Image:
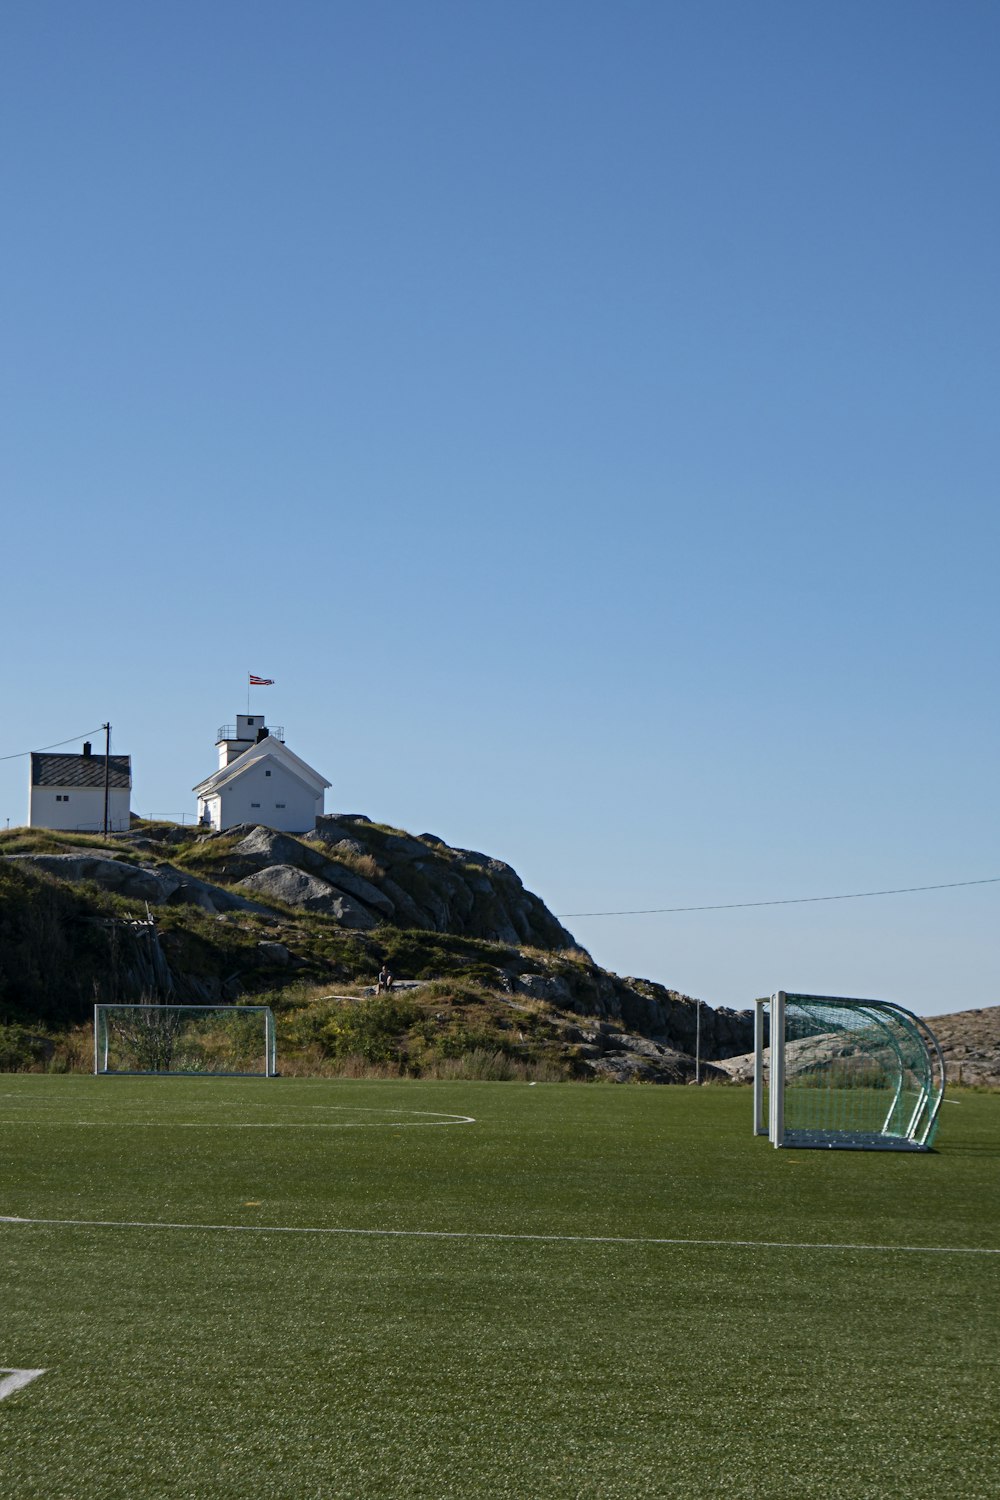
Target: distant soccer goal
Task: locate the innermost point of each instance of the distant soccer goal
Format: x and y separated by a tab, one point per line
855	1074
220	1040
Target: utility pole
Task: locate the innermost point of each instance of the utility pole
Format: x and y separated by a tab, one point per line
107	773
697	1042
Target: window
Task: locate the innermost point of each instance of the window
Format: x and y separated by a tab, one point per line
267	773
279	804
255	804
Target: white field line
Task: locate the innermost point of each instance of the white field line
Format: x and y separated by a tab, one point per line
477	1234
15	1379
434	1118
253	1124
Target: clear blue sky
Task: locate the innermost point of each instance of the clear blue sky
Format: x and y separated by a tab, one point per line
586	413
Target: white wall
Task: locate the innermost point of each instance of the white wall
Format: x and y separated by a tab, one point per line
208	811
79	808
255	797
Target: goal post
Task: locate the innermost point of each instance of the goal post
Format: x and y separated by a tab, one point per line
845	1073
193	1040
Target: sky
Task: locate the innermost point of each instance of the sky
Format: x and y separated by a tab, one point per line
587	415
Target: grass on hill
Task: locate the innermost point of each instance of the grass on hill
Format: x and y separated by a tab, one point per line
51	841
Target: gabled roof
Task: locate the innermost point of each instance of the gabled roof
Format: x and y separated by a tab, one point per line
80	770
264	750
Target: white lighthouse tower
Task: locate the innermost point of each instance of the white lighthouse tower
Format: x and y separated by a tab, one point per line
259	780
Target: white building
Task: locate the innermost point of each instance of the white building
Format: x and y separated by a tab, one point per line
260	780
67	791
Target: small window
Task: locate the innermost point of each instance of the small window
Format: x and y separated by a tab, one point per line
255	804
267	773
251	721
279	804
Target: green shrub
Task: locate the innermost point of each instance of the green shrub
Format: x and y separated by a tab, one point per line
23	1051
374	1029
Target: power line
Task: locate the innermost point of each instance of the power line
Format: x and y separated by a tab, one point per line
57	746
902	890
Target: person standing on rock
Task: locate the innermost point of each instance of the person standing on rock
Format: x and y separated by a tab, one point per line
384	981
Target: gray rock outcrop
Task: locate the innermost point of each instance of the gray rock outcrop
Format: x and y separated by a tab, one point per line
440	889
159	884
124	879
265	848
298	888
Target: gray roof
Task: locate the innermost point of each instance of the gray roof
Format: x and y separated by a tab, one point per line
79	770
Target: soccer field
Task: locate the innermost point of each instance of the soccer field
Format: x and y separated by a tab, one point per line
316	1288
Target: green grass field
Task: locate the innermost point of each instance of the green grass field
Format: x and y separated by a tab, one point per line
588	1291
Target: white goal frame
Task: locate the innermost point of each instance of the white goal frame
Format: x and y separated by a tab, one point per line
148	1013
900	1047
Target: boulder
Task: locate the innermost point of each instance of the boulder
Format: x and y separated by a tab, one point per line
355	885
298	888
398	848
138	843
165	883
329	831
635	1067
267	848
274	953
135	882
550	987
644	1046
622	1067
181	888
344	848
408	913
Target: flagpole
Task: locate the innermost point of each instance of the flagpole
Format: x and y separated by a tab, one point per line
248	695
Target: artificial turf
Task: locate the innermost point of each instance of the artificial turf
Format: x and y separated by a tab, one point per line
470	1359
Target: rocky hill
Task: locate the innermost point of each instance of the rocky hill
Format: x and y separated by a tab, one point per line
970	1042
167	912
174	913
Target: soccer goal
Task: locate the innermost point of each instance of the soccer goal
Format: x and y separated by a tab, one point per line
863	1075
219	1040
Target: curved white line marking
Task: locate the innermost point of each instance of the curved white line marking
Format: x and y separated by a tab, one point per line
477	1234
434	1118
16	1379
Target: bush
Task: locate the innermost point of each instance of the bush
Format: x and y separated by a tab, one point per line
370	1029
23	1051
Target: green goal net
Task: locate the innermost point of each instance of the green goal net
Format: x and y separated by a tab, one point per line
860	1074
223	1040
